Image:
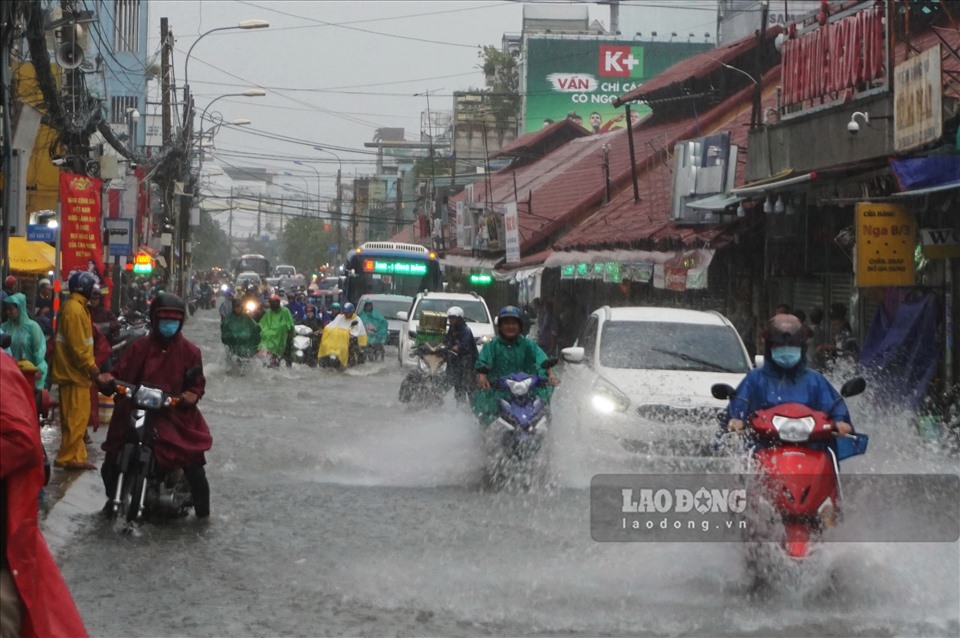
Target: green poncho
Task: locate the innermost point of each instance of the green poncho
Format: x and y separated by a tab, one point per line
503	358
28	340
241	334
275	327
378	336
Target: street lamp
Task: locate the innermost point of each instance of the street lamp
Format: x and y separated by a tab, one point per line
245	24
314	169
339	199
247	93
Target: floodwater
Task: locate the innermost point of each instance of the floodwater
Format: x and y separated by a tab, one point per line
338	511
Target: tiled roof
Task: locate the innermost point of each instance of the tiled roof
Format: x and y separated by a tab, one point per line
539	143
677	78
625	223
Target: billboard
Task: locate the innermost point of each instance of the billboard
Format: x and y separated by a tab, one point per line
579	78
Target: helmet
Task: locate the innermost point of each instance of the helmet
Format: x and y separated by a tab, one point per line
82	282
455	311
10	281
167	305
510	312
348	308
44	282
274	297
784	330
335	306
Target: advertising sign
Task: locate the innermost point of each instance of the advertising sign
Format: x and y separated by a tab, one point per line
940	243
917	101
511	228
81	243
120	237
579	78
886	238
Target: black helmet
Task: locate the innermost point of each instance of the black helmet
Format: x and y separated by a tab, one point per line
82	282
785	330
167	305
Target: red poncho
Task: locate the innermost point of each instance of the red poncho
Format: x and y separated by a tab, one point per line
174	366
49	607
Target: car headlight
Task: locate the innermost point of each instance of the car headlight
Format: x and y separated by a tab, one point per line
794	430
606	398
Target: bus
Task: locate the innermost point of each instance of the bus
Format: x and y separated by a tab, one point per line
392	268
252	263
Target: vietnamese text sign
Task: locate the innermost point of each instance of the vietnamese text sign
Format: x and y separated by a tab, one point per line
41	232
581	77
917	105
120	237
886	238
511	228
81	242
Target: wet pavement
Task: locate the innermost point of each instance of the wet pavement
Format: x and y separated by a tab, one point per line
338	511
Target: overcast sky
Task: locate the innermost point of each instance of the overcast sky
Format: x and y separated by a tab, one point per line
337	71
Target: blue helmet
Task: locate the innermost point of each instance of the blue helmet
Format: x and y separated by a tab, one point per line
82	282
348	308
511	312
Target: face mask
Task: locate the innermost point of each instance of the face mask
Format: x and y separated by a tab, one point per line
786	356
168	327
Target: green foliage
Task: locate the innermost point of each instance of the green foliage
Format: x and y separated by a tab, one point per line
305	242
211	246
503	82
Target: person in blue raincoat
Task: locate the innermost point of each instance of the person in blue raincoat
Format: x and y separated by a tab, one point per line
372	318
28	340
785	378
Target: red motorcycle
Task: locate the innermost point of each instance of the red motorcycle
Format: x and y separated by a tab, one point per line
796	465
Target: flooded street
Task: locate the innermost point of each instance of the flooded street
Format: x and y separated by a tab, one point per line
338	511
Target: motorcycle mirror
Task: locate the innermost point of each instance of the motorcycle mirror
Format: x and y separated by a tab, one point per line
549	363
721	391
853	387
354	324
5	341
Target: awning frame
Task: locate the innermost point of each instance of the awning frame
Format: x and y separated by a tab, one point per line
752	190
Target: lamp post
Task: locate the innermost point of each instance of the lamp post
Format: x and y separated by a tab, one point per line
247	93
245	24
339	199
314	169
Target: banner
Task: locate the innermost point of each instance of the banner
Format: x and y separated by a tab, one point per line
886	240
511	227
578	78
81	244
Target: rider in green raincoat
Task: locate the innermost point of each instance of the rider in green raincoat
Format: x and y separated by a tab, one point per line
510	352
370	317
28	340
276	328
239	332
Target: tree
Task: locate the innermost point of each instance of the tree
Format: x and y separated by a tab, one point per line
503	82
211	246
306	242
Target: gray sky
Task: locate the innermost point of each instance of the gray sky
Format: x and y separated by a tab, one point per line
335	84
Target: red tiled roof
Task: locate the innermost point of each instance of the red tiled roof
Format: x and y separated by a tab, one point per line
544	140
949	64
694	68
625	223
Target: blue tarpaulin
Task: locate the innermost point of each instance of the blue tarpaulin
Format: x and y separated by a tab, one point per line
901	349
924	172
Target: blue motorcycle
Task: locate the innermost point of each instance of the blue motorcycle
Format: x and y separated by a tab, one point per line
524	416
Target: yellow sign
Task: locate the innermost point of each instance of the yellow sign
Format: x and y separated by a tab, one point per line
886	238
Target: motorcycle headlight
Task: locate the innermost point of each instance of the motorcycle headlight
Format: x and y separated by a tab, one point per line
250	306
519	388
422	365
607	398
794	430
149	398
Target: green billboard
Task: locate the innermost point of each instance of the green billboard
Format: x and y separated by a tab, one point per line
579	78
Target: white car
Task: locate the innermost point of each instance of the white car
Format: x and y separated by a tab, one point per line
246	279
644	374
475	312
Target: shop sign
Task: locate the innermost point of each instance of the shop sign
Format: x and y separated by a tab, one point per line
511	228
940	243
886	239
917	101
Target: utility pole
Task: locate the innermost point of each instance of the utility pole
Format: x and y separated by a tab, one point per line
339	216
399	210
166	195
259	212
230	230
281	212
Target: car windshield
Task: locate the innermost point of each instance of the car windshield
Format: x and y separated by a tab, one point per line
329	283
653	345
387	307
473	311
285	270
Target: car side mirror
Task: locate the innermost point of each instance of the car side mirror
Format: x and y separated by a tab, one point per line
402	315
722	391
853	387
758	361
573	355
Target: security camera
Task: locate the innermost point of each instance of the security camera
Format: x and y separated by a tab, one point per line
852	127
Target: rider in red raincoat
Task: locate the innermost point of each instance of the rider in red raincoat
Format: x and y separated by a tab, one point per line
47	607
167	360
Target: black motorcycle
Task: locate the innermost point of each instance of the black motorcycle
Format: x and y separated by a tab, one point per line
425	386
142	488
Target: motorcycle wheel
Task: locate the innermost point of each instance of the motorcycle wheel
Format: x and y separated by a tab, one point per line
136	483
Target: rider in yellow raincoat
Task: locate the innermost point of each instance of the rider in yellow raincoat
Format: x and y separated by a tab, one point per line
337	334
